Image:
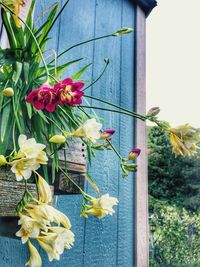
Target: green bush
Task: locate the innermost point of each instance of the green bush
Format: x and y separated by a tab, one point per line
174	236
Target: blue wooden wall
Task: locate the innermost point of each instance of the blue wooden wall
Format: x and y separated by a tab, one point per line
108	242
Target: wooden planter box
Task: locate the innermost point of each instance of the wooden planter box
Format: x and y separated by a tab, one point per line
11	191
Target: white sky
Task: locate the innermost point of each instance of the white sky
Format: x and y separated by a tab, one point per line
173	61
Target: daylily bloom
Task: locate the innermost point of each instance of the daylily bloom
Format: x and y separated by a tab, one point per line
43	98
57	139
106	134
35	259
8	92
90	129
65	236
30	228
48	214
102	206
135	152
44	190
28	158
48	243
184	139
69	92
15	6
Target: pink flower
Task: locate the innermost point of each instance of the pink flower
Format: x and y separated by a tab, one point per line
69	92
107	134
43	98
135	152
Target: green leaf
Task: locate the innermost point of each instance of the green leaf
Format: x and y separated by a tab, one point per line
78	74
17	72
41	114
5	122
29	110
8	27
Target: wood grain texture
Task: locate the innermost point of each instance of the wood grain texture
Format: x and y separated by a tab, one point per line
142	246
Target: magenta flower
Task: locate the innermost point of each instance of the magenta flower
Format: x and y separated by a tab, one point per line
43	98
135	152
107	134
69	92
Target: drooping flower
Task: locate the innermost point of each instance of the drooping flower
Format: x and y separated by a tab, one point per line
28	158
90	129
184	140
69	92
30	228
48	243
106	134
102	206
65	236
44	190
14	6
35	259
57	139
43	98
135	152
8	92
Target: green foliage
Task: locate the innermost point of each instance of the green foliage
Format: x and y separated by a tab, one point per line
174	236
174	179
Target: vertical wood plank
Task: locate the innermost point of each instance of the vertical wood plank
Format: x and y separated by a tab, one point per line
101	235
142	177
126	214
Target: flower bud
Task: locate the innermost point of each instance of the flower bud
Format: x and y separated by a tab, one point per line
106	134
124	30
57	139
8	92
3	160
135	152
153	111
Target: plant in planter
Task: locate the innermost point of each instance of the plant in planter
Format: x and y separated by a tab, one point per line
40	114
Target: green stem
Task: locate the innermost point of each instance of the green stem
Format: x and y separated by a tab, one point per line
82	192
141	117
111	110
35	39
107	62
81	43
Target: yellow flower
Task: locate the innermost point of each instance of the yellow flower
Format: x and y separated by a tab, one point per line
30	228
184	139
65	236
35	259
57	139
90	129
102	206
28	158
48	214
48	243
8	92
15	6
44	190
3	160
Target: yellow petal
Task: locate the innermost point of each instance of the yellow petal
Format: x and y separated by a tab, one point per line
35	259
44	190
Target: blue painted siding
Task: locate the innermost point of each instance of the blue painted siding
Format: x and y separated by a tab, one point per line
108	242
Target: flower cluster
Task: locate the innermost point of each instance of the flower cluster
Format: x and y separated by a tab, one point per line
36	223
66	92
184	140
28	158
99	207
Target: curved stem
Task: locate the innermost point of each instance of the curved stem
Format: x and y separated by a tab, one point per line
112	110
81	43
82	192
141	117
98	77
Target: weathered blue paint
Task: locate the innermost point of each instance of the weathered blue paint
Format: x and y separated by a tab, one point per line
108	242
